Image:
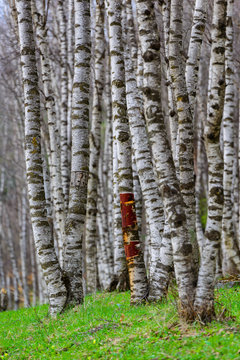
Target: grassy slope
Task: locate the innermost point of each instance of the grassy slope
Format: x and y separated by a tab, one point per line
106	327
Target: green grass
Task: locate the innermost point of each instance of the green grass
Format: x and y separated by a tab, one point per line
107	327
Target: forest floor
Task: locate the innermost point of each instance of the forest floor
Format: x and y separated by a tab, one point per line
107	327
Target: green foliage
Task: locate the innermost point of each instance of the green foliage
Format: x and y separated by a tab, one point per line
203	212
107	327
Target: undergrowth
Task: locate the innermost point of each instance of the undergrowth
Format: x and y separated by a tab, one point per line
107	327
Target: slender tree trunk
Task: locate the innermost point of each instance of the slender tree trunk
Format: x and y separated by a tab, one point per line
185	121
198	185
109	144
172	111
104	245
33	271
41	229
120	281
2	272
23	247
70	68
80	153
194	50
231	259
9	292
134	256
204	302
95	143
2	267
17	283
54	143
64	98
168	183
152	200
137	196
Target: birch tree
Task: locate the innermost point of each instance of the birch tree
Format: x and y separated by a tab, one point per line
54	141
95	142
172	111
41	229
80	154
141	150
168	182
194	50
204	302
64	97
185	119
23	247
231	260
134	256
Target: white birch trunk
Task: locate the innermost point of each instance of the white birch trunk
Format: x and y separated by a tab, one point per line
54	143
2	267
120	266
2	272
185	121
104	245
109	144
168	183
41	229
95	143
204	301
23	247
173	120
33	270
151	196
230	251
137	195
13	259
64	98
70	68
194	50
80	153
134	256
9	292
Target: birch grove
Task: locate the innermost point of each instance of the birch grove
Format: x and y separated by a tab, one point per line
119	151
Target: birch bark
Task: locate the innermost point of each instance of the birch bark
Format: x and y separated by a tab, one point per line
33	271
64	98
231	260
194	50
120	281
104	244
2	185
70	68
173	120
23	247
141	150
55	156
137	196
80	153
108	159
41	229
185	121
134	256
13	259
2	272
9	294
168	183
204	301
95	143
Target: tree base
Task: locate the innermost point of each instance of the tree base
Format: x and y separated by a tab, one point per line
120	283
3	300
205	313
